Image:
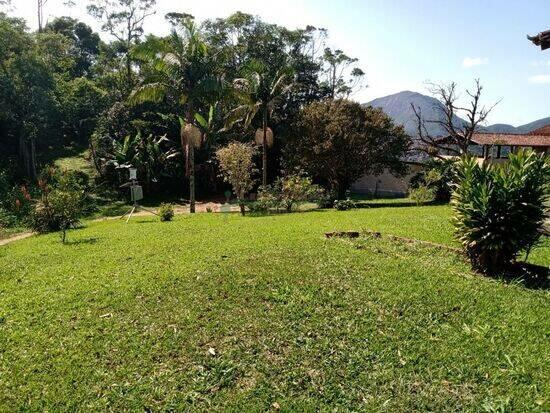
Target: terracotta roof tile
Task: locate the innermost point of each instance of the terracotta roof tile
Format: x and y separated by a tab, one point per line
545	130
511	139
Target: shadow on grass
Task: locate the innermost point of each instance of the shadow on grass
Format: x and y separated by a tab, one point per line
530	276
83	241
399	204
280	213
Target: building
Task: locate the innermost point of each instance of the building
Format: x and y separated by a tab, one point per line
497	146
493	147
542	39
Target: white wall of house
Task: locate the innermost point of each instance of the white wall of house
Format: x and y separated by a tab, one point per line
385	184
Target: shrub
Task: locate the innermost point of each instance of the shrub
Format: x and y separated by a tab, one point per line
260	206
58	210
236	162
438	175
291	190
344	204
166	212
499	210
422	194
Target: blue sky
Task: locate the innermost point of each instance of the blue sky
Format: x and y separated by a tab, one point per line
402	44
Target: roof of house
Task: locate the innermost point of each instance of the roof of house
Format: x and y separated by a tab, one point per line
542	39
545	130
531	139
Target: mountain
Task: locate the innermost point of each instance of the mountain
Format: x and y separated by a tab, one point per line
398	107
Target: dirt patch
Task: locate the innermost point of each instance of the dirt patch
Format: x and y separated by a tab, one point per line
16	238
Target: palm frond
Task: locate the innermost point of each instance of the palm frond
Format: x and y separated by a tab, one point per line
152	92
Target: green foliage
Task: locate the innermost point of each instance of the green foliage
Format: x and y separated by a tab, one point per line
338	141
499	210
344	204
166	212
438	176
62	201
58	210
236	162
422	194
291	190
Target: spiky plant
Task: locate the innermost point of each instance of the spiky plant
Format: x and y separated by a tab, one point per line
499	210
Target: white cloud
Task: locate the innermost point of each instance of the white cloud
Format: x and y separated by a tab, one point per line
474	61
540	79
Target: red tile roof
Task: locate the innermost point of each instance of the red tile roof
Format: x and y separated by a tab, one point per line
511	139
545	130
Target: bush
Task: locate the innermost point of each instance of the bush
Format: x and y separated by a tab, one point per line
58	210
499	210
236	161
289	191
344	204
166	212
422	194
438	175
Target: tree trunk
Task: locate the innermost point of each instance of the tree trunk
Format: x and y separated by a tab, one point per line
32	162
341	190
241	205
191	177
264	149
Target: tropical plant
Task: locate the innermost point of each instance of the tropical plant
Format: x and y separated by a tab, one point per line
260	89
499	210
183	71
236	162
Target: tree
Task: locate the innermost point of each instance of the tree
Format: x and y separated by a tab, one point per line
184	71
40	11
85	43
340	79
459	133
123	19
28	111
236	162
260	90
338	141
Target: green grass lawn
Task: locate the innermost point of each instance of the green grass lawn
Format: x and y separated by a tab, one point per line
215	312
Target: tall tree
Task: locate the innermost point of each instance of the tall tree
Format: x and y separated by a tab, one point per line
459	132
28	111
40	11
85	42
123	19
338	141
260	90
340	77
185	71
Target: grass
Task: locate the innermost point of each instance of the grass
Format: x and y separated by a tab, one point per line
6	233
218	312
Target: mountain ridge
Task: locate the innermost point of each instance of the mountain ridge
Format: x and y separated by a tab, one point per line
398	107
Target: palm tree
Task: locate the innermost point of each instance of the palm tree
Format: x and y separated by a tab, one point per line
259	91
184	70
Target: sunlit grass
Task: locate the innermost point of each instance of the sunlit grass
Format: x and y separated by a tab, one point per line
219	312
